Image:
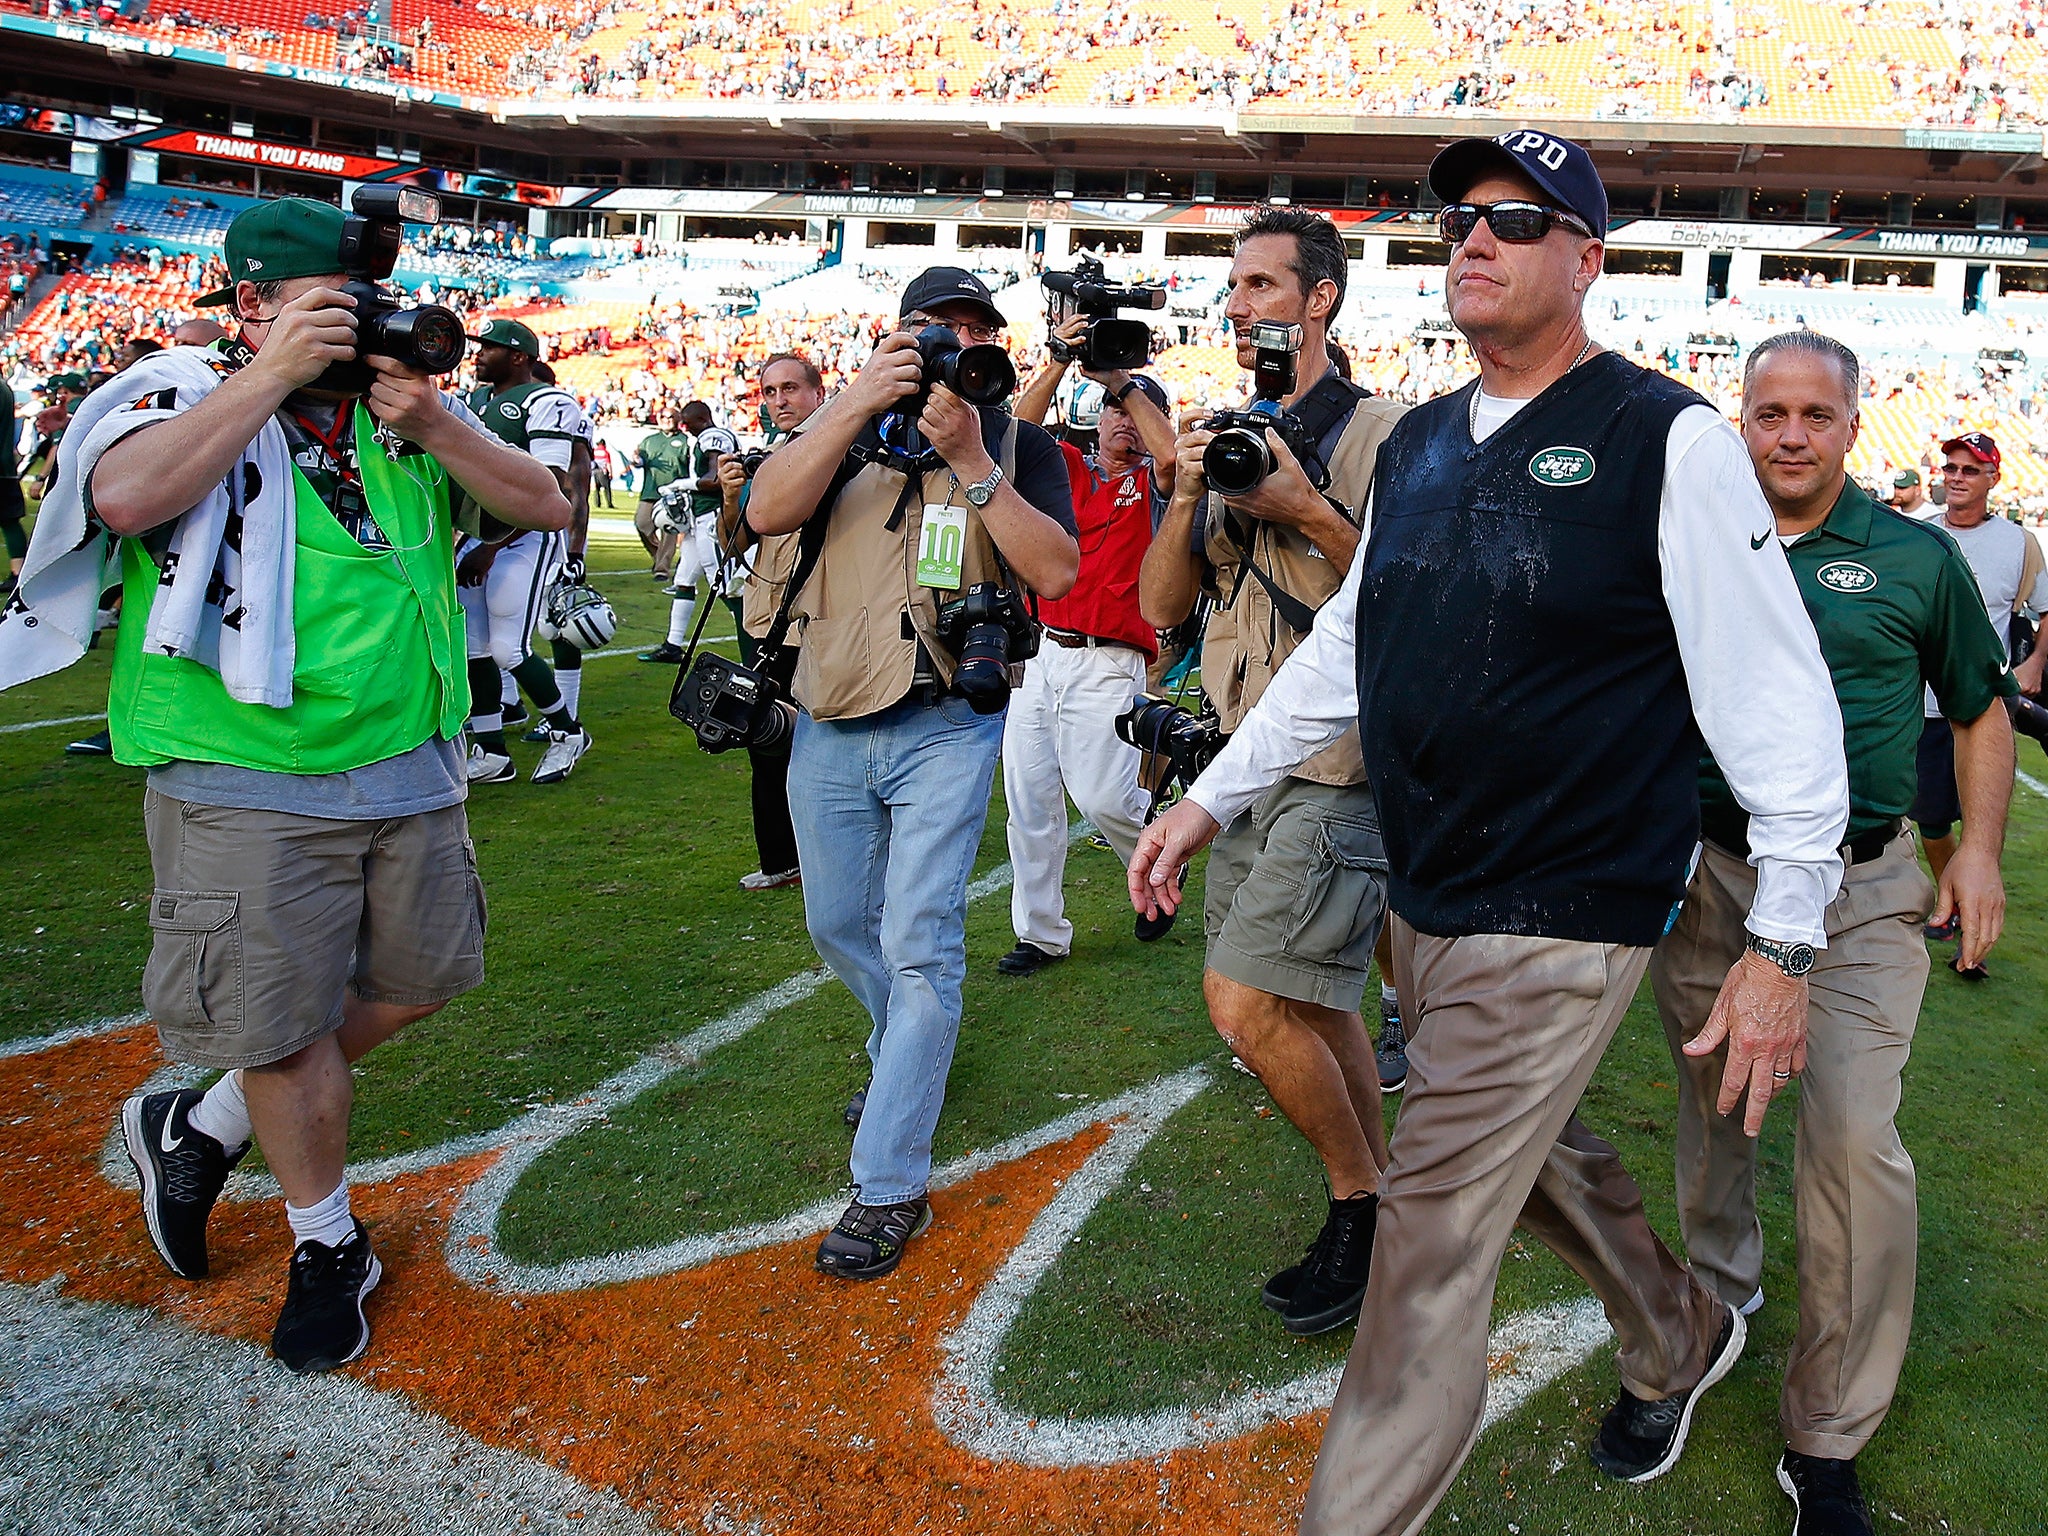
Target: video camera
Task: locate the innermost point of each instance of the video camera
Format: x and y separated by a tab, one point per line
1186	743
427	337
987	630
1108	343
1239	456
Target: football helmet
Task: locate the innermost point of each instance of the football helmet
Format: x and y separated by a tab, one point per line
577	612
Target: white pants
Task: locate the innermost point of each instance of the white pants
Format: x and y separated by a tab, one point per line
697	555
500	612
1059	739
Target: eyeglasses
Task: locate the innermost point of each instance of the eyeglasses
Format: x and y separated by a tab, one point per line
970	330
1963	471
1517	223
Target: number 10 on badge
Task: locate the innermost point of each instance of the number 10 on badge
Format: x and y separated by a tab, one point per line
940	545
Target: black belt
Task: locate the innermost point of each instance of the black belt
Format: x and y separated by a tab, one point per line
1074	640
1861	850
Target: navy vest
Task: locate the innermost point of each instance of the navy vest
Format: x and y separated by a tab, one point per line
1525	719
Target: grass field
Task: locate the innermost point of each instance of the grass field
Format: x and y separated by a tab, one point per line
616	925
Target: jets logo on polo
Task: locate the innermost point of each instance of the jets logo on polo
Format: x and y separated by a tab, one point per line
1846	576
509	410
1561	466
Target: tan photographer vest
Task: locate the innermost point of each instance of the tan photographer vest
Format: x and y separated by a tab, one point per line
861	616
1247	639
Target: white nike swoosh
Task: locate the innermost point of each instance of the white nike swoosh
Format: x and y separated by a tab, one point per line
164	1140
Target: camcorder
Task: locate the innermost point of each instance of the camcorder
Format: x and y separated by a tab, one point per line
1183	742
427	337
2029	718
980	374
987	629
1240	455
728	705
1108	343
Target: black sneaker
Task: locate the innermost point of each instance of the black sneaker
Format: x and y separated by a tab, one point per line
1027	959
1826	1495
1392	1050
1149	930
663	655
1640	1440
182	1171
99	744
514	714
1330	1286
322	1325
870	1239
856	1106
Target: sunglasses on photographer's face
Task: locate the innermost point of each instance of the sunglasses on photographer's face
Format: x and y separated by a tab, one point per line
1517	223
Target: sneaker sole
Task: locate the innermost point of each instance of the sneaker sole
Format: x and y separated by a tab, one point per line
888	1267
1738	1335
362	1344
497	778
146	1170
1329	1320
1395	1086
557	778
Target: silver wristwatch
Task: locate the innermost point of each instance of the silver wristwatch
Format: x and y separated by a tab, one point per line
1795	960
982	492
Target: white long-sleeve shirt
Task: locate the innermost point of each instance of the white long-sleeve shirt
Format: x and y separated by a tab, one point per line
1760	690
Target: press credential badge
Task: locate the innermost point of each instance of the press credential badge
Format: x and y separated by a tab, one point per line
940	546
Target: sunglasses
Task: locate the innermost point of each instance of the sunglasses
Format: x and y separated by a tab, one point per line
1517	223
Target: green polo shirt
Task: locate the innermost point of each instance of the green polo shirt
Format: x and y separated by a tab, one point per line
1895	606
665	456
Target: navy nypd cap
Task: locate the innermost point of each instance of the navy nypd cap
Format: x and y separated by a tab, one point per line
1562	169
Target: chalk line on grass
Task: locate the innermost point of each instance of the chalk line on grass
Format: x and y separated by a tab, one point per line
2032	783
42	725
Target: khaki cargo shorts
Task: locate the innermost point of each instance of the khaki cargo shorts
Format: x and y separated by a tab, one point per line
264	921
1296	892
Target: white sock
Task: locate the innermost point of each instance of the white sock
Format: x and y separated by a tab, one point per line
508	688
1389	996
325	1221
570	681
679	613
223	1114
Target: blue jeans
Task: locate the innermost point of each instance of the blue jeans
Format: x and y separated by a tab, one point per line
889	811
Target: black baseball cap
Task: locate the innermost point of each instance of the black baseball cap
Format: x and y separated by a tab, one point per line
1562	169
950	285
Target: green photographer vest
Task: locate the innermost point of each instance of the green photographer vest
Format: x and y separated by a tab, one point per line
380	653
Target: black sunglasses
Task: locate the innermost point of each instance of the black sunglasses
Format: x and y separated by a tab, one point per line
1516	222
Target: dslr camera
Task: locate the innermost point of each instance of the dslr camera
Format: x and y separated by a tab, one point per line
980	375
427	337
727	705
1186	743
1239	456
1108	343
987	629
751	460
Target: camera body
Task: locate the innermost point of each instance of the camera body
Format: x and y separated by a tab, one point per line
728	705
987	628
751	460
1109	343
1240	455
427	337
980	374
1184	742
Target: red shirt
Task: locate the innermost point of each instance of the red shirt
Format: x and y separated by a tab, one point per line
1113	520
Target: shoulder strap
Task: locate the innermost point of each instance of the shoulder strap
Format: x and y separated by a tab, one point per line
810	544
1330	401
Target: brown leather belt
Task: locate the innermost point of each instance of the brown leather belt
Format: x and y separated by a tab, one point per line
1070	640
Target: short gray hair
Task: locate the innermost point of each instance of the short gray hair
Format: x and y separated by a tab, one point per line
1814	345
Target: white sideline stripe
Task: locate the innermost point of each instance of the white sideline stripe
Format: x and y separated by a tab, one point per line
634	650
30	1044
2032	783
44	725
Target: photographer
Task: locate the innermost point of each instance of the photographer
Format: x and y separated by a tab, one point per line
290	670
791	392
1296	885
894	759
1060	734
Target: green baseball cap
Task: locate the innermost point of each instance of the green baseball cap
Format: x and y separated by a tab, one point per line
67	381
508	333
285	237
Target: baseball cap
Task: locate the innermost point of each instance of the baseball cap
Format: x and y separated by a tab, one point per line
283	238
1979	446
1904	478
950	285
509	333
1151	389
1562	169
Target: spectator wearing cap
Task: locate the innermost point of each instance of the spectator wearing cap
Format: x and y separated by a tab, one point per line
1059	737
894	754
1569	555
1908	495
2007	562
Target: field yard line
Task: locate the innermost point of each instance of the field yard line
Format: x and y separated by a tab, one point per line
2032	783
30	1044
43	725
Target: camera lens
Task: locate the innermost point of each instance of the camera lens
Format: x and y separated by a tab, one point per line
983	677
1236	460
980	375
430	338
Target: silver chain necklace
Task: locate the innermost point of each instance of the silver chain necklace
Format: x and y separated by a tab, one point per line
1472	405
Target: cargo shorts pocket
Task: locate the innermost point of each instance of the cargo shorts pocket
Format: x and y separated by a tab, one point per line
1344	897
193	979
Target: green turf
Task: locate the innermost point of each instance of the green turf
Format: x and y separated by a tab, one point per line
615	925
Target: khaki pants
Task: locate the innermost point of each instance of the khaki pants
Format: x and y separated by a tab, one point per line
1852	1183
1508	1033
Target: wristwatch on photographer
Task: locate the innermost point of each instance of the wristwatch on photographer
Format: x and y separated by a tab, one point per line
982	492
1795	960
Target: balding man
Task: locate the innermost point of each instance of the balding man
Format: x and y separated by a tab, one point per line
1567	565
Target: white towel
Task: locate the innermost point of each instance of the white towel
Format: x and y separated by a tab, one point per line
225	598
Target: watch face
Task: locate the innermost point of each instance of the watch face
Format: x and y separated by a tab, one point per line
1798	960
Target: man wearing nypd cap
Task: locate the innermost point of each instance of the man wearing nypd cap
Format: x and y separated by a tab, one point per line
1569	578
290	671
502	575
